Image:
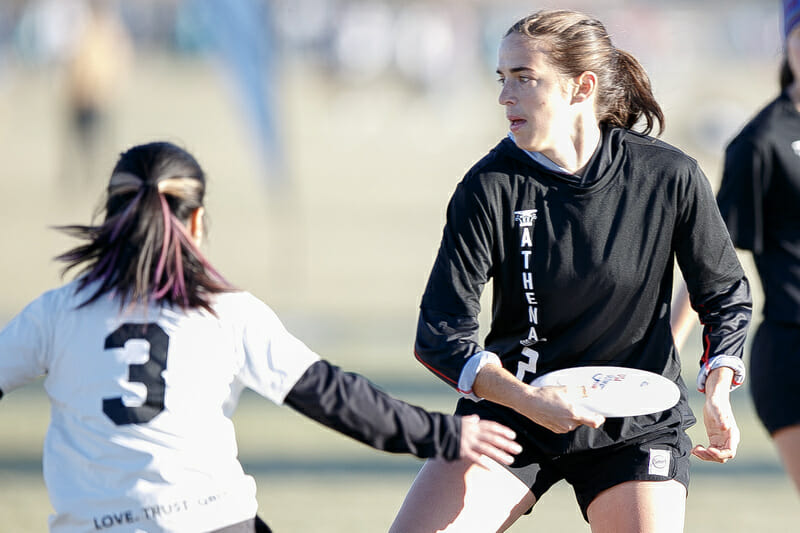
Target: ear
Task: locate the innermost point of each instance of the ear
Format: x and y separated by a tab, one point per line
584	87
196	225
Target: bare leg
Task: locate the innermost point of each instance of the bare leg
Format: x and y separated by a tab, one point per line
788	442
462	497
639	507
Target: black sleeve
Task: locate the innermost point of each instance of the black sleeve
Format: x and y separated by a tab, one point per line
701	241
1	395
718	288
447	330
445	342
725	317
745	180
350	404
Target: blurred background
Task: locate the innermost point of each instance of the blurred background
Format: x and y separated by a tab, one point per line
333	133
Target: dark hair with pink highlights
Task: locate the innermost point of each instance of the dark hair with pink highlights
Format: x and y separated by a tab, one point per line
142	252
578	43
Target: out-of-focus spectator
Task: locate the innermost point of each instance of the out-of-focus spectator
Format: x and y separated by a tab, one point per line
95	74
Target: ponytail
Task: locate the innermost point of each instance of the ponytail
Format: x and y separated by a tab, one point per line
142	252
636	102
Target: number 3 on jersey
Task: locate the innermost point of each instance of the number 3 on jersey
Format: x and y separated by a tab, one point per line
148	373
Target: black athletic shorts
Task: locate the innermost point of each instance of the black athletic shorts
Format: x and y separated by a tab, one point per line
254	525
659	456
774	366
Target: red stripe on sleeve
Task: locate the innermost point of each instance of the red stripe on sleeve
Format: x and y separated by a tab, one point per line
432	369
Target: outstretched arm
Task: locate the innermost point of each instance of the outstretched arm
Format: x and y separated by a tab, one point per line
350	404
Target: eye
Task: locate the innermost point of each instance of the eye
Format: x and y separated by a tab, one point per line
525	79
501	81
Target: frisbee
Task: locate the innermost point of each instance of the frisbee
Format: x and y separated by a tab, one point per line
615	391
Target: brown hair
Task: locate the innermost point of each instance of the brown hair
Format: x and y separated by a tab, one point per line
578	43
142	251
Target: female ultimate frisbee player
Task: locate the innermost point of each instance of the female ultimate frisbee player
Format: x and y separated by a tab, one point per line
146	353
577	221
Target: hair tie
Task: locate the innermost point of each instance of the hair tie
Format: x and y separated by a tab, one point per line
124	182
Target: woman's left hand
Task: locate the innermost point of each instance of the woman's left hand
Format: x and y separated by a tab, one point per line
723	433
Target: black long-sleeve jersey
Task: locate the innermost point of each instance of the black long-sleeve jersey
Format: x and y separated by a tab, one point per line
760	202
582	271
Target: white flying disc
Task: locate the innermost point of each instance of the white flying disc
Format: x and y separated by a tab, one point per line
615	391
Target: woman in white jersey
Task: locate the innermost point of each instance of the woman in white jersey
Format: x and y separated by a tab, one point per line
146	353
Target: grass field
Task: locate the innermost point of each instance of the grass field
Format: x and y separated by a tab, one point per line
342	256
313	480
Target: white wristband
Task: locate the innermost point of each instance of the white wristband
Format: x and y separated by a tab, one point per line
470	371
734	363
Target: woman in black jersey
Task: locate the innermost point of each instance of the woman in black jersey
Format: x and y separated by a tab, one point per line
577	220
759	198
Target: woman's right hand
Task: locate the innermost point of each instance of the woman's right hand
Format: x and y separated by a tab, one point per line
558	409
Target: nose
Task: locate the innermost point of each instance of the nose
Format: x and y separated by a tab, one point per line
506	96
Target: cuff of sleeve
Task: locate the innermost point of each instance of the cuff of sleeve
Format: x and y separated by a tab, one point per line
734	363
470	371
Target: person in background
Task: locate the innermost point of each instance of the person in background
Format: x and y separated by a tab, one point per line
96	71
577	219
759	198
146	352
